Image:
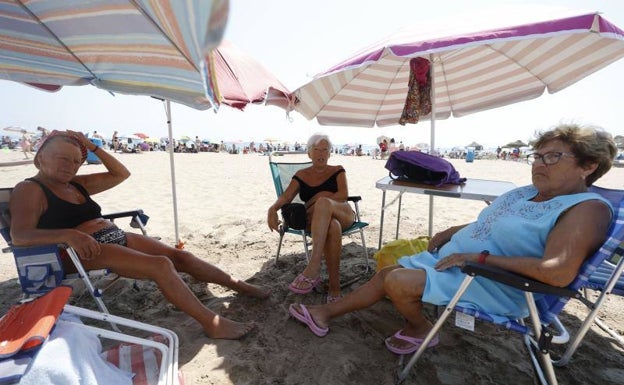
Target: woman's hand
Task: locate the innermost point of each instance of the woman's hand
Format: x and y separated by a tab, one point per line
272	219
83	139
457	259
439	239
84	244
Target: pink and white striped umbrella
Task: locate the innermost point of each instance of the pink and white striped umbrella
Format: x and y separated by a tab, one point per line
476	64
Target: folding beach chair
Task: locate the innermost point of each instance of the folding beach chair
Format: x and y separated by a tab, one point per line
151	360
40	268
544	328
282	173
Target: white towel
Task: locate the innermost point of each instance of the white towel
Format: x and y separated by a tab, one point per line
71	356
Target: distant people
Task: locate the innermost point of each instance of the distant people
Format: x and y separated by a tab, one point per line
26	144
401	146
115	141
498	152
44	132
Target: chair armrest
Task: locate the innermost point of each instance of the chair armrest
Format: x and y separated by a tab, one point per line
516	280
354	198
123	214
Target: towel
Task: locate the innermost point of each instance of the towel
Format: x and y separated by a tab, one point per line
71	356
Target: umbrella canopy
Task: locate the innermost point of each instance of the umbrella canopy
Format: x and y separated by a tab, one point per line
475	64
141	135
517	144
129	46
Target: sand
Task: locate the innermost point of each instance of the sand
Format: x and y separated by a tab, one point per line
222	202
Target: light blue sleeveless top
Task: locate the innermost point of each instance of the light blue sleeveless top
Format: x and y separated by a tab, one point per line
511	225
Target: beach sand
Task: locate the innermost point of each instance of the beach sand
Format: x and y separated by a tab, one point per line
222	203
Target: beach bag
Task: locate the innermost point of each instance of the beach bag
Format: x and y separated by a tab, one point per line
294	216
392	251
416	166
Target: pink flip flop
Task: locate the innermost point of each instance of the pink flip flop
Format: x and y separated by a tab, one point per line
306	318
313	282
416	342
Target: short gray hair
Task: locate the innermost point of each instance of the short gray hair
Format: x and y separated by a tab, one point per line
316	139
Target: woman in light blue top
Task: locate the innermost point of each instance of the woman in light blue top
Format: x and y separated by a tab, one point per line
543	231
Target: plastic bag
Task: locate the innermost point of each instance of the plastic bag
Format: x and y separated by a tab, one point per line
392	251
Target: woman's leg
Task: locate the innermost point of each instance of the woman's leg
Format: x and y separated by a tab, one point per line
362	297
135	264
403	286
199	269
332	251
324	211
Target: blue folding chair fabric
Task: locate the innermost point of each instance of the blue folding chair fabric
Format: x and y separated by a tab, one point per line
282	173
543	313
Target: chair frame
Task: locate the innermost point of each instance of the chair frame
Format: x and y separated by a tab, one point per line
168	373
358	225
538	337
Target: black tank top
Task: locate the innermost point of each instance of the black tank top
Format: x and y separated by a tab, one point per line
62	214
306	192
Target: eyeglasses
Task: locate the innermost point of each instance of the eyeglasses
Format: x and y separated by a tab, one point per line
548	158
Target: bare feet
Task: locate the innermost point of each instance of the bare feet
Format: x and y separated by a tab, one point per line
253	290
224	328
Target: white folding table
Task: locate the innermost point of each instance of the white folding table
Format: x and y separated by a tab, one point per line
475	189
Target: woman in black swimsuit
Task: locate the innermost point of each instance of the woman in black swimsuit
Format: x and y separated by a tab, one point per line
323	188
55	206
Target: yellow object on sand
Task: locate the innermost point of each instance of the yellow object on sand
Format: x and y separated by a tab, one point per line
392	251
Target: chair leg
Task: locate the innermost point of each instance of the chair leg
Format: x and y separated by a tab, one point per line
542	364
279	245
305	245
365	250
402	375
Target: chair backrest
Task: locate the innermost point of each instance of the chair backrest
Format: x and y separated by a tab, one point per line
5	218
282	173
550	306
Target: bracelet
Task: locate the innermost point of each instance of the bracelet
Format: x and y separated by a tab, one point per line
482	256
95	149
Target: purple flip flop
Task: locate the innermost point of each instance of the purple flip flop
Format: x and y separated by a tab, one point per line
306	318
416	342
313	282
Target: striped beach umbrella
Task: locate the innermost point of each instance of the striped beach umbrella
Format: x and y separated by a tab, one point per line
474	64
140	47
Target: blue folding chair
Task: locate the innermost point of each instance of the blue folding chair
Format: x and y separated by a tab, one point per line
543	313
282	173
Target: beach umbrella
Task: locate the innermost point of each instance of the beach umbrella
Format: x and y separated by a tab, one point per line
164	49
474	64
516	144
460	66
141	135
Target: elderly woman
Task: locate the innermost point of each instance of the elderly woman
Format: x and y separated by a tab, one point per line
323	188
543	231
55	206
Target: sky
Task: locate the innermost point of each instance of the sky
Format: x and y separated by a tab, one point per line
298	39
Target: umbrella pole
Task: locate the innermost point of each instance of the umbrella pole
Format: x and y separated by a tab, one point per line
179	244
432	136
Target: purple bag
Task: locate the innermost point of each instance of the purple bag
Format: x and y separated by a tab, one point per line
416	166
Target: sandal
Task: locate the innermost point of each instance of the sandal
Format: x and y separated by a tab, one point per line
312	282
413	341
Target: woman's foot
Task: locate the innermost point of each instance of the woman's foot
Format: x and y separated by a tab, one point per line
223	328
303	284
253	290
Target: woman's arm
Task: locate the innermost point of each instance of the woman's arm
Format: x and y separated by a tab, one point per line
579	232
439	239
98	182
26	207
